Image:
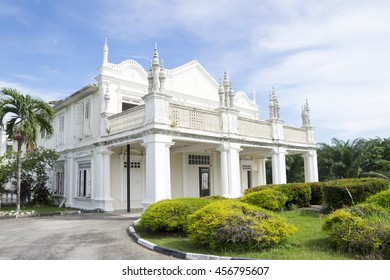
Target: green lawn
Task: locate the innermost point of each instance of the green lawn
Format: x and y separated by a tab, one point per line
308	243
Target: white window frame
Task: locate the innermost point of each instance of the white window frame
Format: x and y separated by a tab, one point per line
60	183
61	129
84	116
84	180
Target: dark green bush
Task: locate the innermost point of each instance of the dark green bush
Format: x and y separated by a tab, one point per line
171	215
236	225
363	230
270	199
297	193
346	192
381	198
317	193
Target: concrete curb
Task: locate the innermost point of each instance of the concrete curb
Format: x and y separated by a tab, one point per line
32	215
170	252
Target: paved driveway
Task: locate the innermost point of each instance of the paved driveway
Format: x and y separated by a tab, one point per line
97	236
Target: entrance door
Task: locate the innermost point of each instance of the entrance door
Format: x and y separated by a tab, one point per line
136	183
204	181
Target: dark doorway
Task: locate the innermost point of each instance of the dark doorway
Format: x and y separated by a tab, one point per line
204	181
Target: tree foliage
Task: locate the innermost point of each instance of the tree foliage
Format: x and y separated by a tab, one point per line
354	159
24	116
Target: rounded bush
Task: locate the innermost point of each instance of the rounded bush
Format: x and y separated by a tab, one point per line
381	199
231	224
171	215
361	231
270	199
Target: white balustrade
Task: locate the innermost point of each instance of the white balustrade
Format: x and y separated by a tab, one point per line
193	118
127	120
293	134
254	128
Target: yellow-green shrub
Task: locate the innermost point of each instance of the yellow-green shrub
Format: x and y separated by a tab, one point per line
171	215
270	199
298	194
381	199
236	225
363	230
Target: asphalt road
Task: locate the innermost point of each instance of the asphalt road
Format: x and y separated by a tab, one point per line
97	236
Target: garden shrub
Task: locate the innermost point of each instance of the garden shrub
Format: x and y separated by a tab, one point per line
270	199
381	198
346	192
317	193
171	215
297	193
363	230
236	225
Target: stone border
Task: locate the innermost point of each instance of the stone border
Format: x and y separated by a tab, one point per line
31	214
171	252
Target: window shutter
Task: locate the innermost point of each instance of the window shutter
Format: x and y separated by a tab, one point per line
79	120
87	118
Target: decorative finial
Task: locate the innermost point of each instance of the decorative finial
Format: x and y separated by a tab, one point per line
105	53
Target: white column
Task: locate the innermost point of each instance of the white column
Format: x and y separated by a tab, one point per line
279	166
234	170
102	177
311	167
224	172
158	175
261	172
69	179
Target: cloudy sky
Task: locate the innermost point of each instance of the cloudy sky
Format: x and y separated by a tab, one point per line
335	54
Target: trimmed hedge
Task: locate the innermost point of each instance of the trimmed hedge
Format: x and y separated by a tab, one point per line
381	199
235	225
270	199
317	193
297	193
346	192
172	215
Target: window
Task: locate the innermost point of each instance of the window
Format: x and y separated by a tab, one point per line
133	164
61	129
59	187
198	160
84	180
127	106
83	110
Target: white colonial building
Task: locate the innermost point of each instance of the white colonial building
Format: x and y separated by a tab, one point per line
142	136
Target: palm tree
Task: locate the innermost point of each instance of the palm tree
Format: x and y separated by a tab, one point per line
342	159
25	116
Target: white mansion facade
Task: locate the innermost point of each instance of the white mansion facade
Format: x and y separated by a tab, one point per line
176	133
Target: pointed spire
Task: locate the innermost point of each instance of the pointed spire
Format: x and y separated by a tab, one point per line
305	114
231	95
254	96
221	94
155	56
105	53
274	108
162	77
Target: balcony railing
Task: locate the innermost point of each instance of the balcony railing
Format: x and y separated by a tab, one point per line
254	128
293	134
127	120
193	118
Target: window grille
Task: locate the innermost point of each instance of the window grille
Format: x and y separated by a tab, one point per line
198	160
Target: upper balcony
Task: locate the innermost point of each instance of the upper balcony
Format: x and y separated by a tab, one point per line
205	122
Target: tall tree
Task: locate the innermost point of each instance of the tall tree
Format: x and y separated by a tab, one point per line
341	159
25	116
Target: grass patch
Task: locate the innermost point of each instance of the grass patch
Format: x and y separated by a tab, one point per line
310	242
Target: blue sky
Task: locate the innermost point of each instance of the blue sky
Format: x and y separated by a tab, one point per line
334	53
